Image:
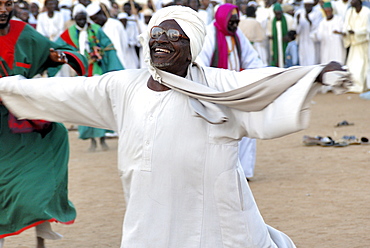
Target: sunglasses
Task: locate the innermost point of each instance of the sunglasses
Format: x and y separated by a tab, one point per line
172	34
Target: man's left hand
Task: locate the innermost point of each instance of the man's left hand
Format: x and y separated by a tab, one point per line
58	56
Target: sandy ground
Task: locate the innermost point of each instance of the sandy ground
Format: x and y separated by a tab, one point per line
319	196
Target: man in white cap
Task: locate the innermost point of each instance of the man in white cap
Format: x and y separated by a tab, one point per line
112	28
306	23
179	125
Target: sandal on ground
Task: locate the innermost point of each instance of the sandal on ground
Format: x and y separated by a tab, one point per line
352	140
344	123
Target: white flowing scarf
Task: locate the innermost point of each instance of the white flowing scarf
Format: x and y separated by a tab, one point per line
206	101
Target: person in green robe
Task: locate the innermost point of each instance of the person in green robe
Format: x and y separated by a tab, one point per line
33	153
279	28
90	40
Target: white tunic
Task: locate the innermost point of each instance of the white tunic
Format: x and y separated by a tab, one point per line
306	37
331	44
116	32
181	179
52	27
358	43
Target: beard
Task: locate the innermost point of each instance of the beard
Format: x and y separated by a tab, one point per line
161	65
4	25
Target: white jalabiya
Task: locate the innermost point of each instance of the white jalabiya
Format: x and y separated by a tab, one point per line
50	27
250	59
358	43
182	183
132	31
187	190
331	44
306	36
180	174
116	32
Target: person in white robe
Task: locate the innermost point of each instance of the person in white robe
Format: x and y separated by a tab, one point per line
248	59
329	35
133	40
306	23
356	36
51	22
113	28
179	125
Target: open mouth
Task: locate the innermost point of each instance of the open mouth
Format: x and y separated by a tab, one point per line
161	50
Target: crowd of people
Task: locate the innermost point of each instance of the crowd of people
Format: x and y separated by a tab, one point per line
283	32
123	52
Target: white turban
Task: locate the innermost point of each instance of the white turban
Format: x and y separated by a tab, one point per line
77	9
188	20
93	8
308	1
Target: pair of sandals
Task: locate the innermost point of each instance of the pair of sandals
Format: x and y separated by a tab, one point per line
328	141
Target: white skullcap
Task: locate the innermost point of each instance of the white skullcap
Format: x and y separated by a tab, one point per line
122	15
77	9
147	12
67	3
308	1
93	8
252	3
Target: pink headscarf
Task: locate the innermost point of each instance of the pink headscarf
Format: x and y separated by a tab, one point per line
222	17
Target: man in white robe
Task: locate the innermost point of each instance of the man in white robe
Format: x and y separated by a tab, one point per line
51	22
329	35
306	22
178	154
113	29
356	36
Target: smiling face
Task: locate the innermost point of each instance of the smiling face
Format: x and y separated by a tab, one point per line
170	56
6	12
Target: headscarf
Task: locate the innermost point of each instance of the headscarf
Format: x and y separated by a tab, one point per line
189	21
222	17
